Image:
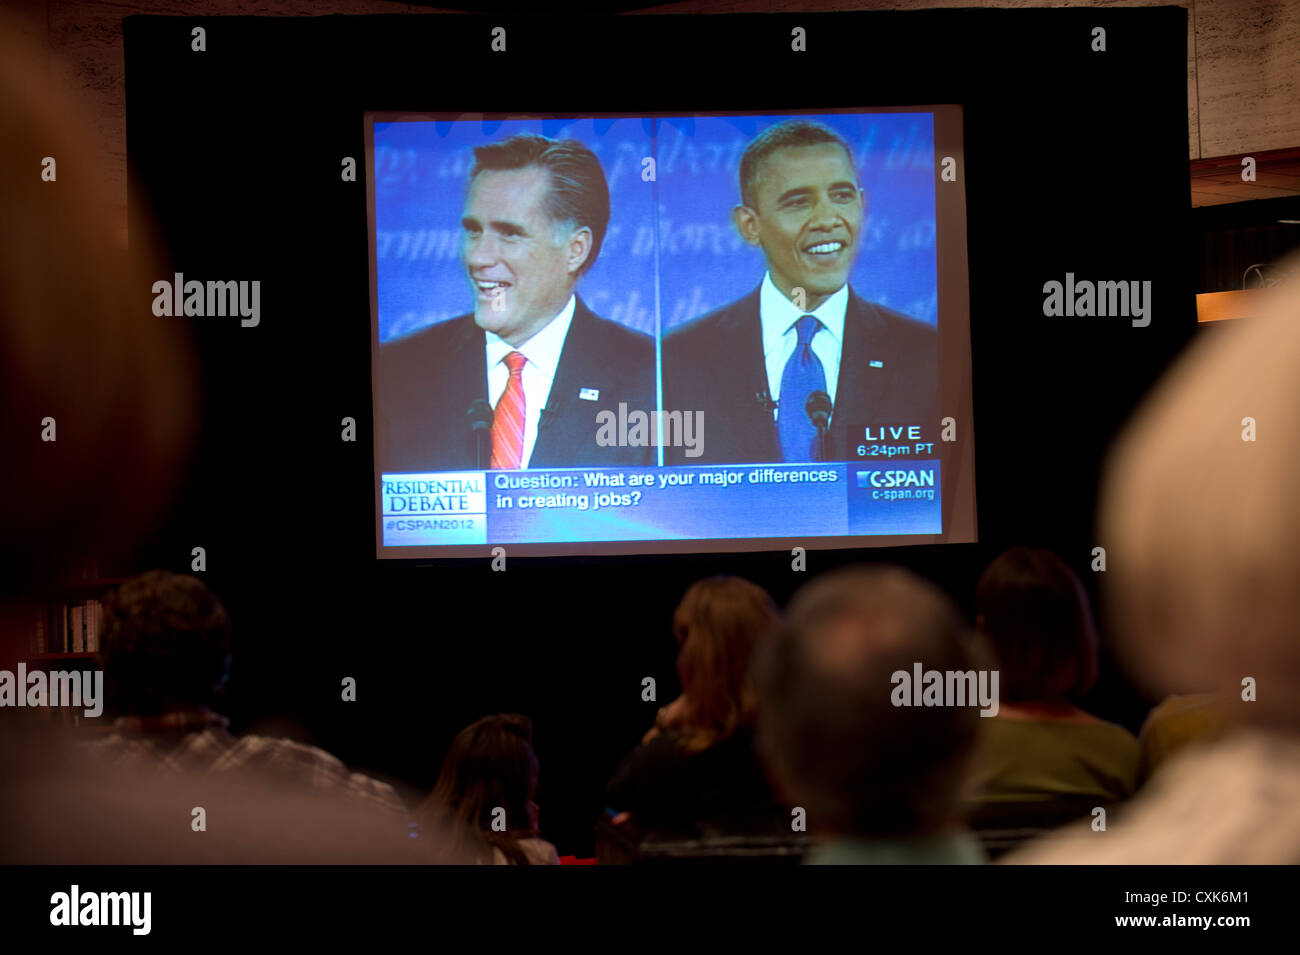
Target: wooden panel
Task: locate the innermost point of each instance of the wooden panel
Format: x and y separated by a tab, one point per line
1218	306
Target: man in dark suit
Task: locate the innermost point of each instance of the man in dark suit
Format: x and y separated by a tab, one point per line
531	364
752	366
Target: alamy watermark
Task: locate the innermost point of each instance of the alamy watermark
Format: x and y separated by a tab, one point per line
923	687
1085	299
647	429
195	299
75	907
73	688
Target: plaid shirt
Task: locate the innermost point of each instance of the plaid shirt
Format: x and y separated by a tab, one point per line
197	741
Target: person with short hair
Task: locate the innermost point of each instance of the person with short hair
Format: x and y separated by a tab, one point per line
166	657
534	220
880	782
753	365
1041	746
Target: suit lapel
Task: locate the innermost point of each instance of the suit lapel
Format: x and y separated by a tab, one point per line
467	365
465	380
742	335
577	369
857	391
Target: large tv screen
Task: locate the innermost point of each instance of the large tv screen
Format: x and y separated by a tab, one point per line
669	333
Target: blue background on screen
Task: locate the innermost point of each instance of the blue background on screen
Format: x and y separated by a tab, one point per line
421	169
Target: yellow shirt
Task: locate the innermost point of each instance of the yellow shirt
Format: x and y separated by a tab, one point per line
1177	723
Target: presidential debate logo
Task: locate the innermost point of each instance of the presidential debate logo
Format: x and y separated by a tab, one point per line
434	508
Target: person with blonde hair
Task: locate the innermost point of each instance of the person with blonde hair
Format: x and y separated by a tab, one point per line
695	771
1201	525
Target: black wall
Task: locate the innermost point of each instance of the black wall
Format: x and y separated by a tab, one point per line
1075	161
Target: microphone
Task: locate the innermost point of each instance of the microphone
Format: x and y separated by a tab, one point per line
818	408
480	429
765	401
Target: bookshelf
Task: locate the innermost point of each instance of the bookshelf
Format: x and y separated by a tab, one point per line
59	629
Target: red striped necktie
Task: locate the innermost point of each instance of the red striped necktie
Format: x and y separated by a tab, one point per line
508	420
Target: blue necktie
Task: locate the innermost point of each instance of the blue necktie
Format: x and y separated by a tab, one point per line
802	376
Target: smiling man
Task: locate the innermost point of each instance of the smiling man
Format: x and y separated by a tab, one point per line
753	365
533	360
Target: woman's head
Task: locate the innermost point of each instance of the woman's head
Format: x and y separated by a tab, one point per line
490	775
1034	611
717	625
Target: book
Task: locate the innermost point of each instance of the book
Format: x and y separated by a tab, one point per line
77	627
96	626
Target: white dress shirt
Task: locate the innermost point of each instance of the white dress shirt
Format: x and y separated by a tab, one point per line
778	316
542	352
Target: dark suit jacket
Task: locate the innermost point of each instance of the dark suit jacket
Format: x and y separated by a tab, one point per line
426	382
715	364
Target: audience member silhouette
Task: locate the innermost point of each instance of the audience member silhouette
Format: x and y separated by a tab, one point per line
879	782
484	802
695	774
1041	746
1199	516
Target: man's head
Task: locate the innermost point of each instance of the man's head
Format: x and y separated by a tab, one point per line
535	216
831	738
166	644
801	203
